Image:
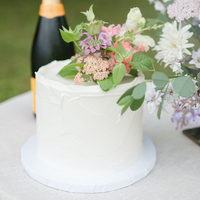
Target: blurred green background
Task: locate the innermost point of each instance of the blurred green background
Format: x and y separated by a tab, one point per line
18	21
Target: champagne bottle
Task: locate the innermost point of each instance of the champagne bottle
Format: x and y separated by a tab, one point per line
48	44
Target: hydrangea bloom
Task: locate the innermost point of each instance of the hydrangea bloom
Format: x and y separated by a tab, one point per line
184	9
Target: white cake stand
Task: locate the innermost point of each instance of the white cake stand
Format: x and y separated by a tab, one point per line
84	184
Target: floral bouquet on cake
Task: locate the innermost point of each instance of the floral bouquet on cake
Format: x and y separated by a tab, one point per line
108	52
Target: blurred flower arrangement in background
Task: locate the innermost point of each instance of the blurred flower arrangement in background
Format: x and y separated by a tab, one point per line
108	52
181	24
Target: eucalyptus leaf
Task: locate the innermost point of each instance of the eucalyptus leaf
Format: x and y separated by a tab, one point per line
184	86
168	3
161	104
126	107
125	100
128	92
198	79
141	61
133	72
160	80
106	84
151	22
118	73
139	91
189	71
136	104
162	18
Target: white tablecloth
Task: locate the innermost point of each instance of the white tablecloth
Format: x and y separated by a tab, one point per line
176	174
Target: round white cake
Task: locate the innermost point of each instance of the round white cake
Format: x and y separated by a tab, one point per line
80	129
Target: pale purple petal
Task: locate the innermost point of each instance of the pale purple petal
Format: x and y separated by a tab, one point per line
97	48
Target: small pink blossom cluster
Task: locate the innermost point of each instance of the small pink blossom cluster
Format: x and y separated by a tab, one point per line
184	9
78	80
113	30
98	67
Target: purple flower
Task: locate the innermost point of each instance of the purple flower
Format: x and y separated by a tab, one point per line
91	44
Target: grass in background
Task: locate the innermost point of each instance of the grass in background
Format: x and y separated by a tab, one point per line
18	21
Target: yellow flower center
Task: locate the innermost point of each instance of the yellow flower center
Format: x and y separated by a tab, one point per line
175	46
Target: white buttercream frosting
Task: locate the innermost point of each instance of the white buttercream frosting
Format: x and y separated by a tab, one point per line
80	129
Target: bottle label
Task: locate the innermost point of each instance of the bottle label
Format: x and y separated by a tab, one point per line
51	11
33	89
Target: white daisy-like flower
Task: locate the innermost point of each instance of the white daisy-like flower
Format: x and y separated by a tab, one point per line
173	43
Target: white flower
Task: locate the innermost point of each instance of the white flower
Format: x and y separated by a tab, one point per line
133	17
142	22
144	40
171	96
153	99
151	1
160	7
173	43
196	58
176	67
89	14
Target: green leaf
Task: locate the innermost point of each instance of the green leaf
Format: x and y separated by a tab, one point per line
151	22
168	3
128	54
198	79
189	71
134	72
71	71
136	104
110	48
141	61
160	80
120	48
118	73
162	18
106	84
126	107
184	86
118	58
125	100
161	105
139	91
128	92
88	28
68	37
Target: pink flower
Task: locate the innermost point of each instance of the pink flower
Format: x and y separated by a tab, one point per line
122	29
78	80
128	48
110	30
99	67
